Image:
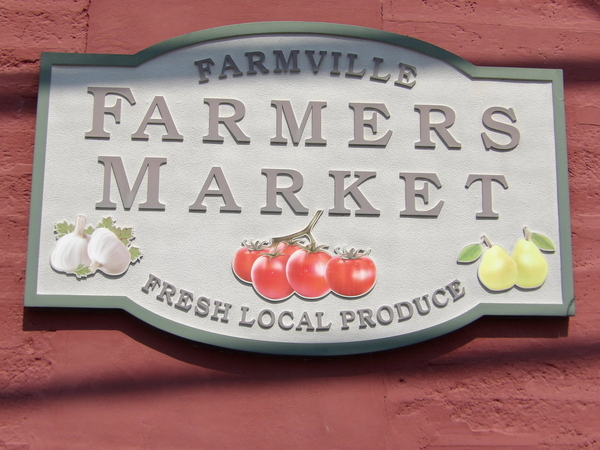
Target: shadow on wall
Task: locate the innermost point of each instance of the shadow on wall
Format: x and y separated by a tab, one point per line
592	4
51	319
427	359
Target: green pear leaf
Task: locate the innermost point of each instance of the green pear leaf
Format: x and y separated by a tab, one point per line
542	242
470	253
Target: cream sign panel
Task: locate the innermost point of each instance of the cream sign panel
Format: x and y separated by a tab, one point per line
299	188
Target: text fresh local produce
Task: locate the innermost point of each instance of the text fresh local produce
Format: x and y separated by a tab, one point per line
187	302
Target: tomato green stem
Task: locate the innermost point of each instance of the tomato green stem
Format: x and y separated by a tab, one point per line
305	232
353	253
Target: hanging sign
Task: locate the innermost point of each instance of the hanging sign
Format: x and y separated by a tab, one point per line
299	188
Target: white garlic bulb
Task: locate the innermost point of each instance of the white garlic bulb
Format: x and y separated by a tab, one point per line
71	250
108	253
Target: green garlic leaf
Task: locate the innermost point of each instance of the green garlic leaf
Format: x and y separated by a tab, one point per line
125	233
542	242
82	271
470	253
135	254
107	222
63	229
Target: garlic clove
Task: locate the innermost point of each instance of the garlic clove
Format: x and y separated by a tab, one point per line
107	253
71	250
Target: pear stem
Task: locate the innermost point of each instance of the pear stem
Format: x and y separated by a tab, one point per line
486	241
527	233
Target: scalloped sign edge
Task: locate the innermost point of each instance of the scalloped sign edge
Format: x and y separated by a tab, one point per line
34	299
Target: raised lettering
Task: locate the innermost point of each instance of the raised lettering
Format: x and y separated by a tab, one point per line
288	193
411	193
216	174
364	207
360	122
166	120
440	128
284	110
491	124
486	193
114	164
100	109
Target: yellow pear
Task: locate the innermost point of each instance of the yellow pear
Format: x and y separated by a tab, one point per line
497	271
532	265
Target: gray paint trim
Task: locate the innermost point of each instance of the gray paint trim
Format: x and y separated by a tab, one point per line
32	299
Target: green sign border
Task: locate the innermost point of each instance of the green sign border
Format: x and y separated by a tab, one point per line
33	299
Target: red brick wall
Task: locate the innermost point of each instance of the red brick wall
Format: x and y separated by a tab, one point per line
88	379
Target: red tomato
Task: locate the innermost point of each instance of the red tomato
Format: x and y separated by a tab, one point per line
244	258
351	277
268	276
306	273
288	249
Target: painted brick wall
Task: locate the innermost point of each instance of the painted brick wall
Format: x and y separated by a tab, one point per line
88	379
